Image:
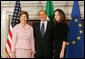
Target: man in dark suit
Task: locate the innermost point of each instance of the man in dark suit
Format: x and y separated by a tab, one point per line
43	32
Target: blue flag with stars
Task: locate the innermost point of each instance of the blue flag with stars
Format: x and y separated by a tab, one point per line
75	44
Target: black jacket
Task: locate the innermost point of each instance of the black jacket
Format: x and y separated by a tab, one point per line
60	35
43	45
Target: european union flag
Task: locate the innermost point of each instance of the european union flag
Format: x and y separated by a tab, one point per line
75	44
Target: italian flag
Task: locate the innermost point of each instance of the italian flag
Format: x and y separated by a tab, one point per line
50	11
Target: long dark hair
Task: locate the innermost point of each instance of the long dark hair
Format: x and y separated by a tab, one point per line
62	16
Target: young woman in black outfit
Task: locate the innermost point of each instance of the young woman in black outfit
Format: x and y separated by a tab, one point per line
60	34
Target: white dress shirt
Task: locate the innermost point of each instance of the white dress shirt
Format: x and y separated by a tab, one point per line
45	25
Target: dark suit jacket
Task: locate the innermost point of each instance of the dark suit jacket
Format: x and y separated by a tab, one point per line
43	45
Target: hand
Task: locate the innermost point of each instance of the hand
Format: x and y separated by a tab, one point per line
62	54
54	51
53	56
32	55
13	55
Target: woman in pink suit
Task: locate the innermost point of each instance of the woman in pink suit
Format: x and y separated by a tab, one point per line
23	39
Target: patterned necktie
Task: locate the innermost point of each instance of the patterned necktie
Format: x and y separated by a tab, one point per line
42	29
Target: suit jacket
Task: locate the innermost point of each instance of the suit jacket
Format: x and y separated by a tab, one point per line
23	39
43	45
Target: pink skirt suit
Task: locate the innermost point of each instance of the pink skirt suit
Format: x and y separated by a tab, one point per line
23	41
